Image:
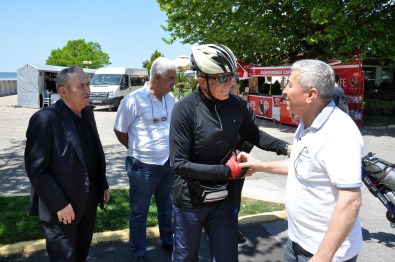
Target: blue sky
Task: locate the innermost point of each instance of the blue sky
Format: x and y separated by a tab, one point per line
128	30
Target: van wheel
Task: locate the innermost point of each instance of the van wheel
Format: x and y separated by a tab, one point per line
116	104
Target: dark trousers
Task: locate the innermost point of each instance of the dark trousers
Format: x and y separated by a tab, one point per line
239	184
236	188
295	253
219	221
71	242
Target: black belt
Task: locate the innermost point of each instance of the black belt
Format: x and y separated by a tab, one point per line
298	250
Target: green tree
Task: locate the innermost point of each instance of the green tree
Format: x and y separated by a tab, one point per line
147	64
185	82
76	52
277	31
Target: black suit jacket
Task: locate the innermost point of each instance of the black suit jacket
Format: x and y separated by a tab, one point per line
55	163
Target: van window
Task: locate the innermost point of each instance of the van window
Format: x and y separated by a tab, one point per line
138	80
106	79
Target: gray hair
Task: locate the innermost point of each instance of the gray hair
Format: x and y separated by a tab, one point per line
63	77
160	66
317	74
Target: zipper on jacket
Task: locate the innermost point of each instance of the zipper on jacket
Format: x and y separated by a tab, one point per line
215	108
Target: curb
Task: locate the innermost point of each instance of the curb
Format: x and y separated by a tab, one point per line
28	247
379	127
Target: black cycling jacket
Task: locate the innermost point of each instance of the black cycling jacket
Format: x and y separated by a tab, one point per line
203	135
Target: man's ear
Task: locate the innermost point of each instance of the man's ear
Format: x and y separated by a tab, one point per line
202	82
312	94
62	90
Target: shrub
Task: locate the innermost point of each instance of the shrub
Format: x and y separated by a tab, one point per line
373	107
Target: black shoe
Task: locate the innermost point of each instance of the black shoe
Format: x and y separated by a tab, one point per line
167	247
138	259
240	238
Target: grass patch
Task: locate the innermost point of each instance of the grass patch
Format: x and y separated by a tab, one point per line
17	225
250	206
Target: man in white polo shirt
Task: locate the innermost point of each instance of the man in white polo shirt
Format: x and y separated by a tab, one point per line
323	193
142	126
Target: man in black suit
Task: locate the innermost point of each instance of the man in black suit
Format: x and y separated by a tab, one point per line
65	163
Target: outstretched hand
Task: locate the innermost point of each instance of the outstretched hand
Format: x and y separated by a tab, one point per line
247	161
272	167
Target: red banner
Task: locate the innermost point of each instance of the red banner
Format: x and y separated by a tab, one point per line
273	107
243	69
262	105
352	81
286	117
270	71
277	100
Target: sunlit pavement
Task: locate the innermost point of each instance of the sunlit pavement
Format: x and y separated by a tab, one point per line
265	240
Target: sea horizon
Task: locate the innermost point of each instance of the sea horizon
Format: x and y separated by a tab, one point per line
8	75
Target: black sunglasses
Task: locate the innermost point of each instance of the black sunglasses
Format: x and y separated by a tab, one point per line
222	79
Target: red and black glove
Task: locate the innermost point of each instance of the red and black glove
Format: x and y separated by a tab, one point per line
235	170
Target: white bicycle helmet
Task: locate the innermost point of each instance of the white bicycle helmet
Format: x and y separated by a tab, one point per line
213	59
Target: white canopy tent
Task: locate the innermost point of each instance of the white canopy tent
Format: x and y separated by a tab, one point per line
182	62
31	83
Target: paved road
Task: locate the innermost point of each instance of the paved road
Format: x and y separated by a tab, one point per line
265	243
379	237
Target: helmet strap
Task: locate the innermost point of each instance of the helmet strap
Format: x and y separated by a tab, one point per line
208	89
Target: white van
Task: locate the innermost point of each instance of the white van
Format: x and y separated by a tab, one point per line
109	85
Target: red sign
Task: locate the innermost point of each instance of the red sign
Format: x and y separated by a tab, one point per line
243	69
262	105
273	107
351	80
270	71
286	117
277	100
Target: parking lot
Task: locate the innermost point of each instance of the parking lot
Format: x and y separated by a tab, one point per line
379	237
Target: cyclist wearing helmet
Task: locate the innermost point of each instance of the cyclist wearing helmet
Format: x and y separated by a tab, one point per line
204	134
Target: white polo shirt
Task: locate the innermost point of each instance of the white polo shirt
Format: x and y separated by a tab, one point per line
325	157
147	141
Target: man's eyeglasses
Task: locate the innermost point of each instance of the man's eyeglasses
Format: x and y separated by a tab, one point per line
108	218
222	79
302	156
157	120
